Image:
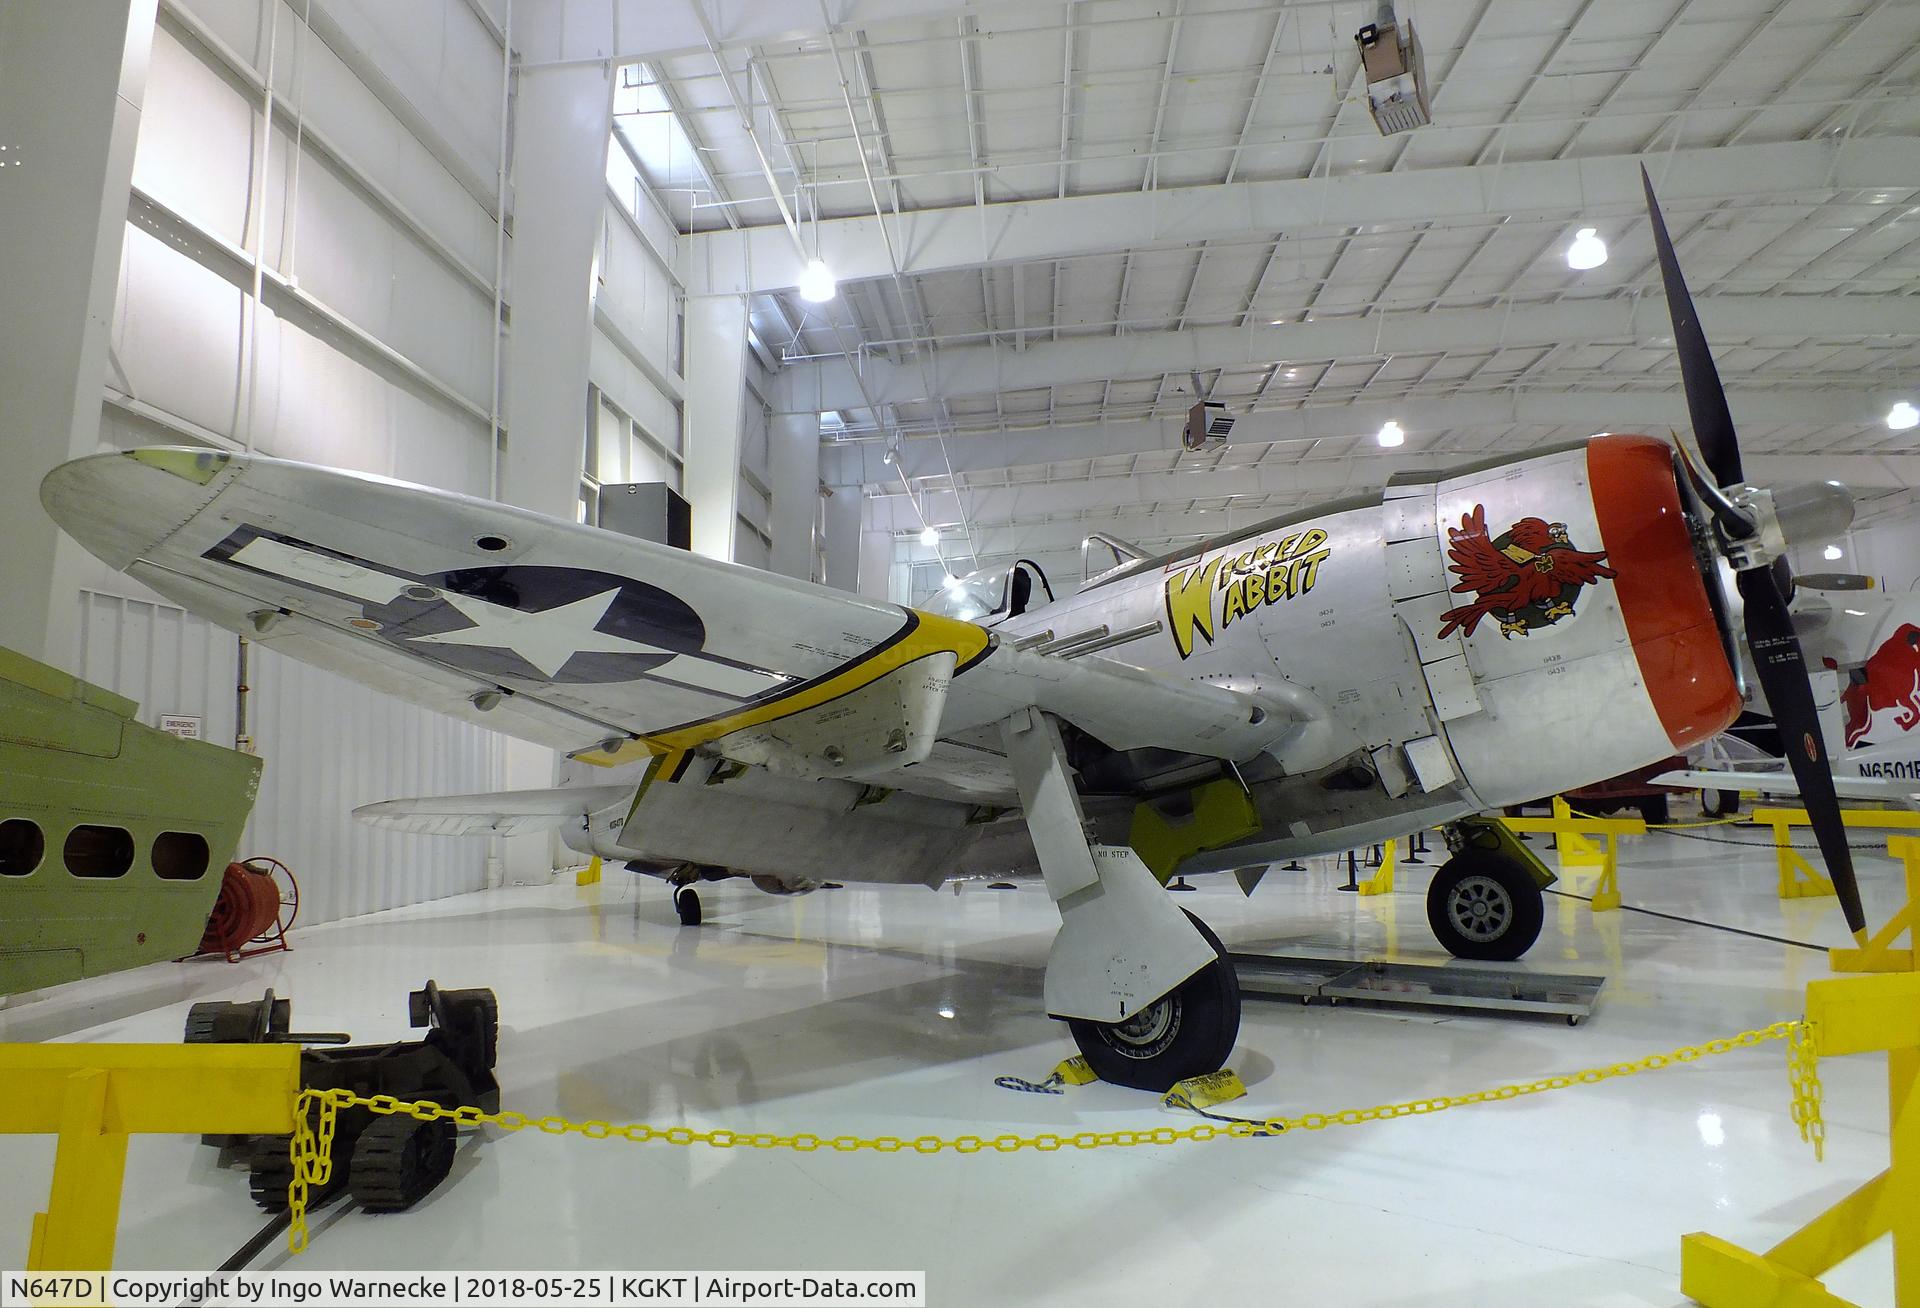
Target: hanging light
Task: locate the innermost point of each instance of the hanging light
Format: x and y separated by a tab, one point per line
1587	250
1832	553
816	282
1391	435
929	537
1902	416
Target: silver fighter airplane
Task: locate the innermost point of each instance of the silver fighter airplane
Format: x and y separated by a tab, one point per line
1471	638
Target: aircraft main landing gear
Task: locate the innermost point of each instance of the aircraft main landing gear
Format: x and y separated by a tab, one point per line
1186	1033
1146	989
1487	902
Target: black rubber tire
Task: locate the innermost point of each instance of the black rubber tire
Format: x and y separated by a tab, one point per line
1188	1032
1719	803
397	1162
487	1006
686	902
1481	886
1653	810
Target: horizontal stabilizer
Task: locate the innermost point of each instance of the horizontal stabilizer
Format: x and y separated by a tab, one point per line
1882	789
497	813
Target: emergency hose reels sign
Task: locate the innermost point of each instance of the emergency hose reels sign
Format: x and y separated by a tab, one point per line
404	1289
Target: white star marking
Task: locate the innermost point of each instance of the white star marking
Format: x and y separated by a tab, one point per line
546	639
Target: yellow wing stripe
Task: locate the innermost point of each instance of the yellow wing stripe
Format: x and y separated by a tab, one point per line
923	634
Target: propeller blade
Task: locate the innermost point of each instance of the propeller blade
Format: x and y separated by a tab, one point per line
1783	675
1706	398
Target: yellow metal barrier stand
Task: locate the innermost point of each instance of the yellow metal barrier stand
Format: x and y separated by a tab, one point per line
1798	880
1849	1015
94	1096
1381	882
1571	831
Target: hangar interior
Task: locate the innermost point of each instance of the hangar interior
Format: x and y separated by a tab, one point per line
889	294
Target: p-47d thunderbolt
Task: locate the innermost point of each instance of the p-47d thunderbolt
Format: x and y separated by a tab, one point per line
1470	639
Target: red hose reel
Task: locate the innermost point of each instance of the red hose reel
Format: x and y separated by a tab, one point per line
258	901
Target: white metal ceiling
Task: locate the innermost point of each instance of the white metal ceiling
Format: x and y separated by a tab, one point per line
992	105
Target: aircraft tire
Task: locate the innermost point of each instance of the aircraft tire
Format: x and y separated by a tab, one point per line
1188	1032
1485	907
686	902
1719	803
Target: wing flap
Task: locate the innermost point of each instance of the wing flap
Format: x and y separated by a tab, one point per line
496	813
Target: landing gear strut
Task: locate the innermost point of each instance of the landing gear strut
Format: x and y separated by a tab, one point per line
1145	988
1487	902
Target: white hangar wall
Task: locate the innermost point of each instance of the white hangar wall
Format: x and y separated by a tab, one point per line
362	207
373	350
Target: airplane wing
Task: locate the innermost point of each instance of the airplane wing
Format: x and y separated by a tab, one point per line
604	646
1884	789
498	813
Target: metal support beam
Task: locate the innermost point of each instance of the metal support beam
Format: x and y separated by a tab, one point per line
994	369
1758	408
72	98
934	240
716	395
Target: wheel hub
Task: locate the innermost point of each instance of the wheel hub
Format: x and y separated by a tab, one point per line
1480	908
1148	1031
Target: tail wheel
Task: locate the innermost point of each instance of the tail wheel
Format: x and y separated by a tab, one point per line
1483	906
1719	803
1186	1032
686	902
397	1162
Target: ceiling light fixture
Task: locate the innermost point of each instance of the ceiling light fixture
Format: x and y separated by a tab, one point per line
1391	435
1902	416
1587	250
1833	553
816	282
929	537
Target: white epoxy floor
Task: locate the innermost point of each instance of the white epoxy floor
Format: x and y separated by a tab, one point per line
890	1011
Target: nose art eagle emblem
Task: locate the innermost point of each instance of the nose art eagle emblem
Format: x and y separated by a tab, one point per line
1528	577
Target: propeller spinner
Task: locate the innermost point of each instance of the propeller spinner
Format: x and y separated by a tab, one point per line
1753	526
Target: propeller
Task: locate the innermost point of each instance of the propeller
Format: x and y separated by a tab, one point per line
1740	518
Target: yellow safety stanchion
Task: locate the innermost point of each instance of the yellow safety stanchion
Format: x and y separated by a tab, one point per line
1848	1015
1381	882
94	1096
1798	880
1879	954
590	874
1571	831
318	1113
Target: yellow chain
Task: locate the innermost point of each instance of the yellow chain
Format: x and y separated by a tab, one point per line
1668	826
318	1114
1803	1072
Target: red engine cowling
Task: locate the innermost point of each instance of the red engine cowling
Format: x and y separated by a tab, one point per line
1577	638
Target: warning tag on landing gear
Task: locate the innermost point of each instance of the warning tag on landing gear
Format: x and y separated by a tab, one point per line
550	1289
